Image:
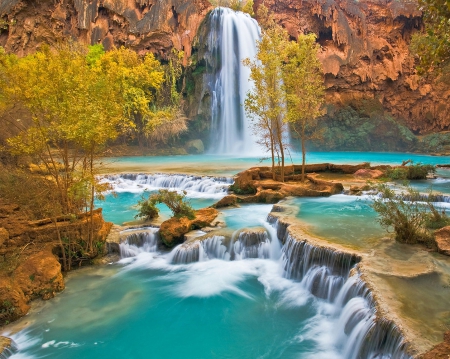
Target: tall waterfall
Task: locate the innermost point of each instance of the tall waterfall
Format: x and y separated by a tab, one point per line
232	38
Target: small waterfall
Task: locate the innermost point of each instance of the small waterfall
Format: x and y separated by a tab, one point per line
251	244
136	183
326	274
140	242
232	38
9	351
200	250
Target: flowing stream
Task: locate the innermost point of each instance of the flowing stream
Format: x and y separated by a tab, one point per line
246	296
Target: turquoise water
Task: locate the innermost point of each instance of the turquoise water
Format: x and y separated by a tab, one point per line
344	219
226	165
214	309
122	207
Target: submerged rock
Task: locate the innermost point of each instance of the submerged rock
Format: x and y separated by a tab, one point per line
440	351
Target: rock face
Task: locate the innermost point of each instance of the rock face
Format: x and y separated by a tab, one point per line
365	44
30	268
366	57
442	237
143	25
38	277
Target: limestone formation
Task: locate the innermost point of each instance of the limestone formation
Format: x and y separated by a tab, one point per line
368	173
442	237
173	230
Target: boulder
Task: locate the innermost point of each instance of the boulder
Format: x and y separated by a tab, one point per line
442	237
195	146
368	173
39	276
173	230
230	200
204	217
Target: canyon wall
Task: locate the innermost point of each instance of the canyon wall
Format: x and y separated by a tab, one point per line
365	44
143	25
366	56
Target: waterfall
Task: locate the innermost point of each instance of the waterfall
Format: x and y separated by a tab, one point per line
326	274
251	244
9	351
199	251
194	185
140	242
232	38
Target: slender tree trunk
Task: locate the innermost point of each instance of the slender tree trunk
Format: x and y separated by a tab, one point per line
303	153
91	207
272	152
61	244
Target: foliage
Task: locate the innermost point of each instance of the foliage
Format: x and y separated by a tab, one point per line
265	103
410	172
411	216
146	209
433	46
94	54
303	81
176	202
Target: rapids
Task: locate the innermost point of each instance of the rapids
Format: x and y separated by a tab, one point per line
290	301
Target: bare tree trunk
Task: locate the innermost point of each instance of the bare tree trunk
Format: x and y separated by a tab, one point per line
91	206
303	153
61	244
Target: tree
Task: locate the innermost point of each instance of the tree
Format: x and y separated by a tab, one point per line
265	103
433	46
176	202
303	83
74	112
242	5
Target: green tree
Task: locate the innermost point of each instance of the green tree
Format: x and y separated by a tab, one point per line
433	45
265	103
176	202
304	86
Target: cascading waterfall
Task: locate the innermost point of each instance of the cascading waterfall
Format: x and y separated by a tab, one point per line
326	274
232	38
251	244
135	243
9	351
199	251
136	183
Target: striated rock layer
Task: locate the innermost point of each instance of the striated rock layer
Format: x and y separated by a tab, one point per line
143	25
365	44
366	57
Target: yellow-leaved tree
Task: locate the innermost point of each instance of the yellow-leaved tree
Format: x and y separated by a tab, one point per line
265	103
304	86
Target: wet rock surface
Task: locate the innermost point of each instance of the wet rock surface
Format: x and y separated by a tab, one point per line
173	230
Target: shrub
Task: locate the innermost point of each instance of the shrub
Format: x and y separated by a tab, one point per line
410	172
411	215
176	202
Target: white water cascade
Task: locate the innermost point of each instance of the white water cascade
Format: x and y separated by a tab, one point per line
140	242
196	186
232	38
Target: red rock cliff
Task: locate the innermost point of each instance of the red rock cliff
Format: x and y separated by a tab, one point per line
366	56
365	43
143	25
